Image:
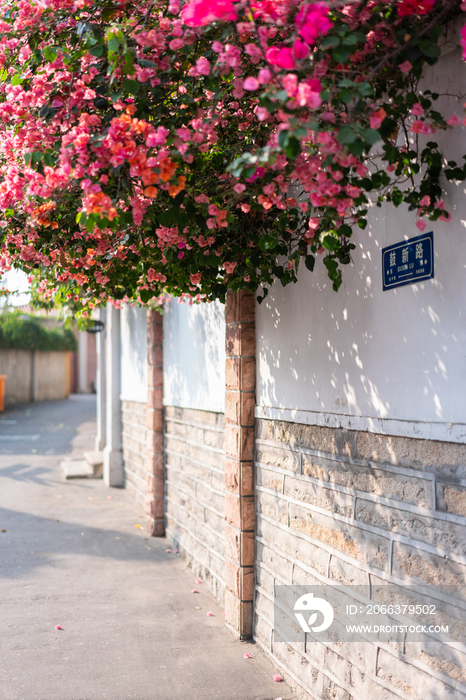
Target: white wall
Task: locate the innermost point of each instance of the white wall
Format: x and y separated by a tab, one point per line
194	355
133	342
393	361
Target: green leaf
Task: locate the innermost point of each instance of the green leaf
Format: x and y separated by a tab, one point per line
44	111
293	148
330	242
283	138
330	42
37	156
365	89
97	51
370	136
50	53
346	134
309	261
131	86
113	44
429	49
341	54
345	230
268	242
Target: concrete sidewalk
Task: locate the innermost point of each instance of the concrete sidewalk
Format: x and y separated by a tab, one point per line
73	554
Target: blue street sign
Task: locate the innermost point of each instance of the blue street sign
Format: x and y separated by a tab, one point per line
408	262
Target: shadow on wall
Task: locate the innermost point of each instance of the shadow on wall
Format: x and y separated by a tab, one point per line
194	355
361	351
364	352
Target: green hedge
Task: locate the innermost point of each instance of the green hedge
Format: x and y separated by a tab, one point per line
19	332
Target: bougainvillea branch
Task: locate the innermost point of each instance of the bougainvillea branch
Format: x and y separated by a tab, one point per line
159	147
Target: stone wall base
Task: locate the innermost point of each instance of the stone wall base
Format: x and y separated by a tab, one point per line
195	487
360	509
134	444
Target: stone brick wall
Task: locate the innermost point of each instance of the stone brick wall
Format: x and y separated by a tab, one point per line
134	444
359	508
195	488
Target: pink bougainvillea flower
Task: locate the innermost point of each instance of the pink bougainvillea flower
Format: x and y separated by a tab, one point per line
405	67
376	118
281	57
198	580
300	49
312	20
277	678
175	551
308	93
168	550
264	76
229	267
251	84
210	614
417	110
463	41
203	65
425	201
421	225
247	656
58	627
454	120
259	172
198	13
109	498
411	7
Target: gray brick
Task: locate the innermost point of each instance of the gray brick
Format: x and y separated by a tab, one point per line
288	544
451	498
275	457
355	542
273	506
411	680
380	482
423	567
315	495
438	533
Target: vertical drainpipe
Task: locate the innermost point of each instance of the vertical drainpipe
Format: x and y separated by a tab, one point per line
113	457
100	385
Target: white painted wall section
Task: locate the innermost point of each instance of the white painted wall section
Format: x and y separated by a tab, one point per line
133	343
392	362
194	355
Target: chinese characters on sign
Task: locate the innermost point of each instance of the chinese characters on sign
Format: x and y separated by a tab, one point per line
409	261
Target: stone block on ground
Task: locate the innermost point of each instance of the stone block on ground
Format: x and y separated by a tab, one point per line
76	469
95	460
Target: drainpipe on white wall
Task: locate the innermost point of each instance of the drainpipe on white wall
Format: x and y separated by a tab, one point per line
100	385
113	457
82	363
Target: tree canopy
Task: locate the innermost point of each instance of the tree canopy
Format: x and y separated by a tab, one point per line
189	148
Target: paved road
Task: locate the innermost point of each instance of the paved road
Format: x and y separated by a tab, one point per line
72	556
